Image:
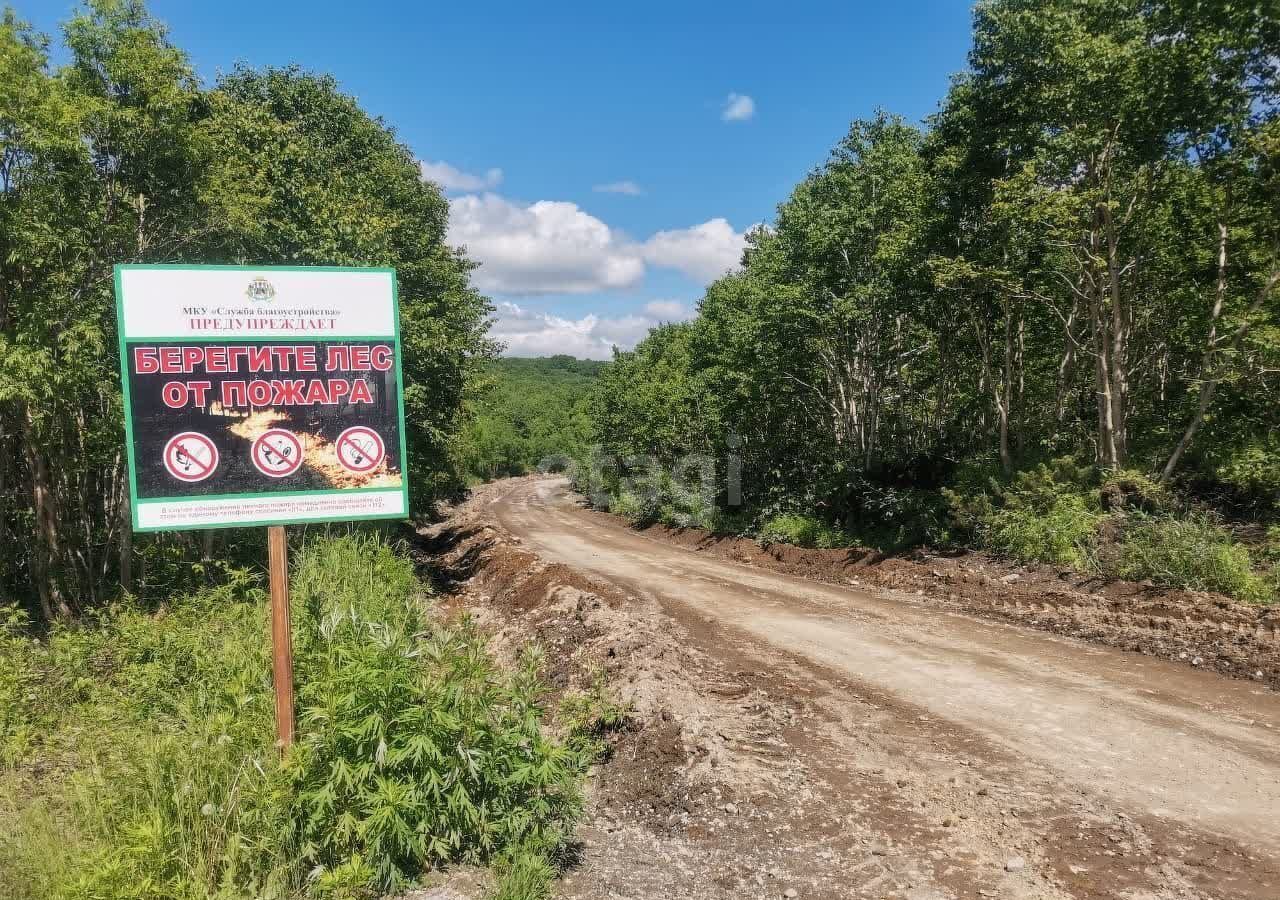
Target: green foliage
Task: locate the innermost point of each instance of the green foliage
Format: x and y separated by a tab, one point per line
119	154
1251	471
415	750
589	715
1128	489
1192	553
891	518
1079	257
158	726
527	413
654	495
1270	548
803	531
19	682
633	508
1062	531
643	404
1050	513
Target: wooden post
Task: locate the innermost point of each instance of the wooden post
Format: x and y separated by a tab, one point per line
281	638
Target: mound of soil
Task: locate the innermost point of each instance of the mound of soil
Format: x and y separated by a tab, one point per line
1198	628
745	773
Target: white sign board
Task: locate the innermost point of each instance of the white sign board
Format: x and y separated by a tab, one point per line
261	395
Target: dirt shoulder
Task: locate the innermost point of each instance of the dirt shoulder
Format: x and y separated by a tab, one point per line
1200	629
751	771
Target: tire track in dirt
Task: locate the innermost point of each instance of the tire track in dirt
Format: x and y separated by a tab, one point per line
760	761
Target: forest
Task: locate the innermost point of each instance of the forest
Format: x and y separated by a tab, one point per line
1043	324
526	414
137	751
1048	316
122	155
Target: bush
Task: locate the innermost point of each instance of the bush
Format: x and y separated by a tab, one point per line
159	729
1065	533
414	749
1251	472
1129	489
591	714
803	531
892	518
1269	551
1192	553
738	523
1047	514
632	507
655	496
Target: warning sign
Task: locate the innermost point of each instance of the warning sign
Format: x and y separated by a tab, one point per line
277	453
190	456
261	395
360	449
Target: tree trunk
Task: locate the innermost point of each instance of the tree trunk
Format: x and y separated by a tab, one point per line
1213	368
1102	372
47	548
1119	352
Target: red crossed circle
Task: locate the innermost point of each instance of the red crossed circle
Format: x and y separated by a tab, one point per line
276	453
360	449
190	456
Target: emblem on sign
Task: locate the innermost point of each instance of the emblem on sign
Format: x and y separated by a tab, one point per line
260	290
276	453
190	456
360	449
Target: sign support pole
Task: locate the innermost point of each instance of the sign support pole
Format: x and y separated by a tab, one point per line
281	638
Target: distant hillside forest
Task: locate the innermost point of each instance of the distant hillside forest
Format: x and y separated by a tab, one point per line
525	411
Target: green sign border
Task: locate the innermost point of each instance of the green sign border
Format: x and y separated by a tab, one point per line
124	341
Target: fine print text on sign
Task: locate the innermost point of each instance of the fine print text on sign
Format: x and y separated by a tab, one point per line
261	395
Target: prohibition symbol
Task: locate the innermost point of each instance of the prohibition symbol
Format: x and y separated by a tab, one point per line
190	456
277	453
360	449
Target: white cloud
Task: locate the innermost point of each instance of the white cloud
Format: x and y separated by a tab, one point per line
630	188
528	332
667	310
703	252
738	108
555	247
546	247
451	179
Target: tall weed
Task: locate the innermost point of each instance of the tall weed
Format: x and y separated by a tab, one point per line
1047	514
1193	553
803	531
415	750
1062	531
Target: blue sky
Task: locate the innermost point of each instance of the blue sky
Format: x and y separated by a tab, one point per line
602	160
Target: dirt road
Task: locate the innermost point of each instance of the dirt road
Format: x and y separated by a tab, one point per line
1188	762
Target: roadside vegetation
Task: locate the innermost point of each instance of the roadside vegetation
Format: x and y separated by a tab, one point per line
121	154
137	756
1047	324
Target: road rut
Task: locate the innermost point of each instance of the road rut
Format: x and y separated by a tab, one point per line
1161	742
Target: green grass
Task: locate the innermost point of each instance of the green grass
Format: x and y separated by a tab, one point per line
138	756
1064	532
803	531
589	715
1120	524
1191	553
